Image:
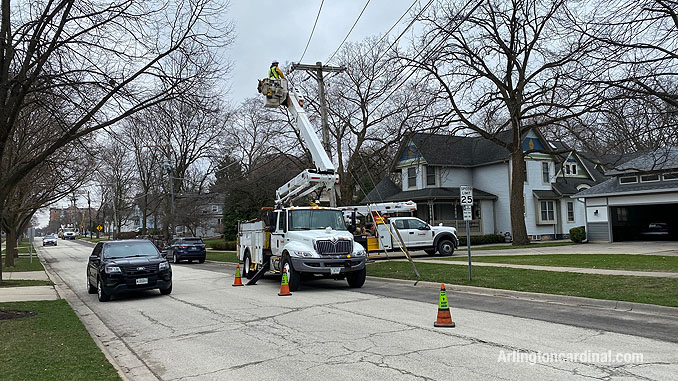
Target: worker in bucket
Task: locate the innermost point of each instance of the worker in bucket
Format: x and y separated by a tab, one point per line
274	72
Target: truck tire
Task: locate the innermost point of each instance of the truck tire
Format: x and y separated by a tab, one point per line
247	262
293	276
356	279
430	251
446	247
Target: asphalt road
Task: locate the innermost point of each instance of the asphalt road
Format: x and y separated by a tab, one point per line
208	330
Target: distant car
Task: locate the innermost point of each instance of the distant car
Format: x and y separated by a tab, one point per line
115	267
69	234
49	240
187	248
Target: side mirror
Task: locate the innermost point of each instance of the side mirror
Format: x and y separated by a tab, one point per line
163	254
94	258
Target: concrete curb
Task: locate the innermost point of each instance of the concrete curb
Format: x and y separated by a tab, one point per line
616	305
128	365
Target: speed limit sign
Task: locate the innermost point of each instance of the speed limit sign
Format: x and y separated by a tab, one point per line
466	194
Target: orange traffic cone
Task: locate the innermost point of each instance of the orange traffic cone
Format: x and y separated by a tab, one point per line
238	279
444	317
284	285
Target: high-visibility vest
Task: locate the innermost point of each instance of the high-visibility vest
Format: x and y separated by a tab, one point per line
273	73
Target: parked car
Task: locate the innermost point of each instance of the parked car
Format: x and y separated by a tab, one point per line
49	240
656	230
128	265
187	248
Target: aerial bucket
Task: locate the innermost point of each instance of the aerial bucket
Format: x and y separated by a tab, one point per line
275	91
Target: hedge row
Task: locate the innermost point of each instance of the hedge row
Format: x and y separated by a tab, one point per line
482	239
222	245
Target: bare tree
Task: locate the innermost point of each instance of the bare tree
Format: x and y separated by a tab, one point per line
98	63
505	67
118	178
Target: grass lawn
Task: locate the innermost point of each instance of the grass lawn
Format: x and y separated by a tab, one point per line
23	283
613	287
52	345
592	261
23	249
507	247
23	263
222	256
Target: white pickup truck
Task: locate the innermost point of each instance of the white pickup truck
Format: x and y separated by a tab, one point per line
416	234
69	233
310	240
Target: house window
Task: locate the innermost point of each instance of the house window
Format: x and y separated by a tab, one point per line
649	178
547	211
412	177
215	208
545	177
525	170
430	175
570	211
670	176
628	179
570	168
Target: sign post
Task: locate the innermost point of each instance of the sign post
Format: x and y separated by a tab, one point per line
31	237
466	198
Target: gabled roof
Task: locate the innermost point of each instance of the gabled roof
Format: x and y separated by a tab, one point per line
659	160
435	193
383	190
612	187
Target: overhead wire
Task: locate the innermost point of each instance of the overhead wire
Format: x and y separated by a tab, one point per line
312	30
349	32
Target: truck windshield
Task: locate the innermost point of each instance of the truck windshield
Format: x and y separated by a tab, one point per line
311	219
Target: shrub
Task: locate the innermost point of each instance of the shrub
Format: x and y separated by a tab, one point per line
221	245
127	235
578	234
482	239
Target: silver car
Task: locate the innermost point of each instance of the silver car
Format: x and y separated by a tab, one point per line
49	239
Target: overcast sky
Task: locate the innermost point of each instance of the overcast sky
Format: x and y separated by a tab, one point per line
268	30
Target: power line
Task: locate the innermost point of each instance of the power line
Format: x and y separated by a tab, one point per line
349	32
395	24
312	30
414	19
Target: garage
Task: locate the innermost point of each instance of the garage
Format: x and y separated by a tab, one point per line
638	201
657	222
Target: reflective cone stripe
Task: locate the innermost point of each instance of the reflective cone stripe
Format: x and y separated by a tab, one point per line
444	318
284	285
238	279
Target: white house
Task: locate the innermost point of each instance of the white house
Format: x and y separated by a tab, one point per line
431	168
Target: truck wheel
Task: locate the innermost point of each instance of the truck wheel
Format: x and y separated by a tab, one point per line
446	247
293	276
430	251
247	262
356	279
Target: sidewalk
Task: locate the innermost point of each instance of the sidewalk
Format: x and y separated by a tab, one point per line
652	274
28	293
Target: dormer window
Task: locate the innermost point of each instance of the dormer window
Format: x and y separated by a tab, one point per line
430	175
628	179
570	168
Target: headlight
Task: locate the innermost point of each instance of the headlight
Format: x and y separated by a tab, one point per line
163	266
112	269
359	253
306	254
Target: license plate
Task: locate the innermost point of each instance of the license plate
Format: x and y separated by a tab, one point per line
142	281
335	270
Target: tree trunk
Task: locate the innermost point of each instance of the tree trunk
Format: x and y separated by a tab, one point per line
10	243
518	228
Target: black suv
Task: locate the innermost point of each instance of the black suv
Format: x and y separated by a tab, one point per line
129	265
189	248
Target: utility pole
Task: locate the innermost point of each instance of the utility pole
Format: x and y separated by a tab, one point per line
89	214
316	71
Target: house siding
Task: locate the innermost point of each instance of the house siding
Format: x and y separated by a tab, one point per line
598	231
494	179
534	182
454	177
